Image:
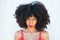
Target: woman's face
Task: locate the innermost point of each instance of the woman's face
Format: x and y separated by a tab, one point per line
31	21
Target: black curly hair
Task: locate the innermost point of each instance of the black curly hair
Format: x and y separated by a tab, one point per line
37	9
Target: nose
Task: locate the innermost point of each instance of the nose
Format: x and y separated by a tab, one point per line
31	22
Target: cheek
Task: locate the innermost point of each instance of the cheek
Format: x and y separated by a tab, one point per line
27	22
34	23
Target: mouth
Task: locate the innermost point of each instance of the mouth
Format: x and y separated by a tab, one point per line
30	26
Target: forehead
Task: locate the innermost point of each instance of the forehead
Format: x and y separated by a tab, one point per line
32	17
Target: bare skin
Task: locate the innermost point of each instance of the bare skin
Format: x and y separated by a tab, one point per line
45	35
31	22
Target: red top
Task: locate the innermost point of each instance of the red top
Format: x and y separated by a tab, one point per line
22	38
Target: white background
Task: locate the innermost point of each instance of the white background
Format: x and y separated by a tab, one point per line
8	25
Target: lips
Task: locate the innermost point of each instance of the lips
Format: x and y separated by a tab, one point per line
30	26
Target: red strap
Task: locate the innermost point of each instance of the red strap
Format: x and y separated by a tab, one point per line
22	38
40	37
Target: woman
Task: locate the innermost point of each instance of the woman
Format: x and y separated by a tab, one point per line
33	17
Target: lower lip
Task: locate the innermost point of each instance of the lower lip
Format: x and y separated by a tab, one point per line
30	26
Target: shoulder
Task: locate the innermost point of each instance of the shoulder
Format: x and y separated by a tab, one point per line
45	32
18	34
45	35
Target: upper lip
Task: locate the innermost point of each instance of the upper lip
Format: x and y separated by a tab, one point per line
30	25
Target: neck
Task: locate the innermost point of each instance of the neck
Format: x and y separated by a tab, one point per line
31	29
